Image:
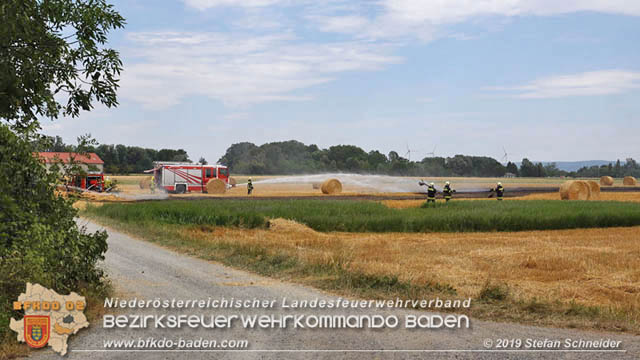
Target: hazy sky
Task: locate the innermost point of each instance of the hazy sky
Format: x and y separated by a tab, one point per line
545	79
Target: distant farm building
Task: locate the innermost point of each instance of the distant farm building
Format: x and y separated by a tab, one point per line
89	162
509	175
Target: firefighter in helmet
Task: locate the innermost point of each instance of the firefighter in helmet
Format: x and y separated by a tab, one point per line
249	187
499	190
447	191
431	193
107	183
152	184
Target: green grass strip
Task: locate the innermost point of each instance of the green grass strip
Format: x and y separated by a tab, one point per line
367	216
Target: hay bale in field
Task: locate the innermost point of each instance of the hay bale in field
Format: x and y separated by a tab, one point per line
233	182
606	181
595	190
316	185
216	186
331	186
145	183
575	190
629	180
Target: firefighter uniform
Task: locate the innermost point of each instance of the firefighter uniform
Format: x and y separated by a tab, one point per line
499	191
152	184
447	191
107	184
249	187
431	193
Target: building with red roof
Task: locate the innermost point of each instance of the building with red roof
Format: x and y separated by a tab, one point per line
90	162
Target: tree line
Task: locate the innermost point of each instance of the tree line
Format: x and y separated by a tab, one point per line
294	157
617	170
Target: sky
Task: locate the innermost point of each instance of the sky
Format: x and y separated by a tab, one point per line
542	79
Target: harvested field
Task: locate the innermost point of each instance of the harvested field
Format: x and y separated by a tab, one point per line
578	278
467	187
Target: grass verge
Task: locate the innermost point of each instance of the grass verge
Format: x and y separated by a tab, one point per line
364	216
336	271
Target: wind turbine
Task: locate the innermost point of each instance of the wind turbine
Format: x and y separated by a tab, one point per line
408	153
505	157
433	152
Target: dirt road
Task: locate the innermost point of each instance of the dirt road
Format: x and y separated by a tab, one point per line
145	271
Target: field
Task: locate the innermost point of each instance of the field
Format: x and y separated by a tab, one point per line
366	216
532	259
356	186
587	278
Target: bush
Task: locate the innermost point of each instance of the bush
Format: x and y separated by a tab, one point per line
40	241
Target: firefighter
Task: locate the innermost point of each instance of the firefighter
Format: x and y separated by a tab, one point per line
152	185
107	184
499	190
431	193
249	187
447	191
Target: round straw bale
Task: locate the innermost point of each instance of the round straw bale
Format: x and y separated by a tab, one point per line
232	182
575	190
145	183
629	180
331	186
216	186
316	185
606	181
595	190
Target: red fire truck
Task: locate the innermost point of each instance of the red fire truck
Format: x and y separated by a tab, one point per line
182	177
91	177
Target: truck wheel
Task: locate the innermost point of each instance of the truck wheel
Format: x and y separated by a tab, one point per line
181	188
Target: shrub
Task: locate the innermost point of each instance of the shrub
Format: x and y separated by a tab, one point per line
40	241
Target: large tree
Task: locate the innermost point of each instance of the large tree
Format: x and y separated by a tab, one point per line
52	63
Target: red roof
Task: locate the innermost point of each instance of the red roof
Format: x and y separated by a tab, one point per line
65	157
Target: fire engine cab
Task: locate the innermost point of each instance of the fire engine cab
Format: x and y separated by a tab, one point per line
180	177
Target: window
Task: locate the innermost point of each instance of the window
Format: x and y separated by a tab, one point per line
224	172
209	173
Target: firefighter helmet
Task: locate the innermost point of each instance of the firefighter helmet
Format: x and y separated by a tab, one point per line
447	183
432	184
499	184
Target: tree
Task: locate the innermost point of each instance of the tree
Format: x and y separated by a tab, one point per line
512	168
47	48
528	169
55	47
202	161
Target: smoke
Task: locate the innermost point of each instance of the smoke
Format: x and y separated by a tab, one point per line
374	183
158	195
